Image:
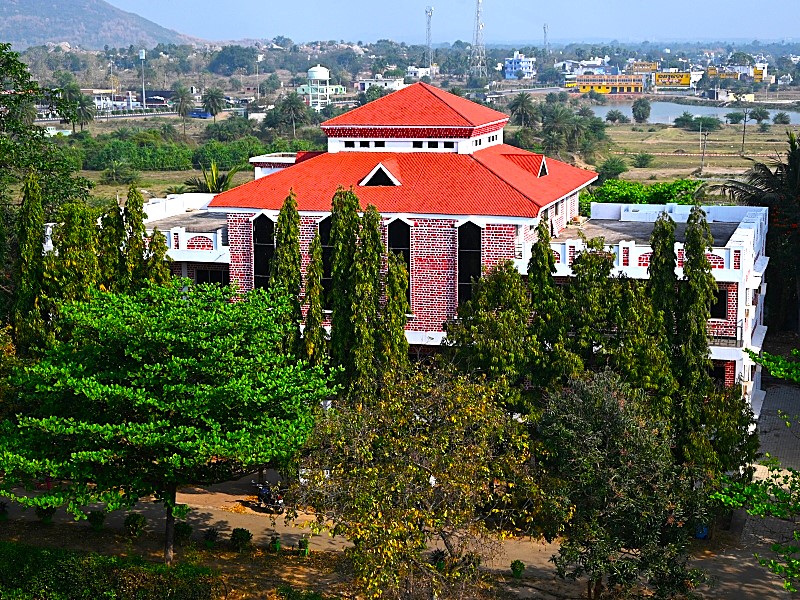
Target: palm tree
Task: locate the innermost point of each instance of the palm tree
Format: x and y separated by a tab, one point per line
70	94
614	115
293	109
212	182
777	185
184	103
523	112
85	111
213	101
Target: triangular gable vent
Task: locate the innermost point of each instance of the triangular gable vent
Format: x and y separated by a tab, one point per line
380	176
543	168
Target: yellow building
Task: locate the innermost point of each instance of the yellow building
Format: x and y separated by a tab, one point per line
675	80
641	67
611	84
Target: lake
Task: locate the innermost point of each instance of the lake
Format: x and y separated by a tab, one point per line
667	112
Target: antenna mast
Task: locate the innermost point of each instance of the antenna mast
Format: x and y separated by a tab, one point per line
546	44
429	15
478	54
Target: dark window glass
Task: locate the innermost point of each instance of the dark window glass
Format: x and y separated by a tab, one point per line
417	144
212	276
364	144
450	145
433	144
400	243
380	144
327	263
718	372
349	144
719	308
469	259
263	250
380	178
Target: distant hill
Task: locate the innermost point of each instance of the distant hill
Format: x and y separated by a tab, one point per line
90	24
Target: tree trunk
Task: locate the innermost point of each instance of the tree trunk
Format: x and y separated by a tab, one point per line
169	526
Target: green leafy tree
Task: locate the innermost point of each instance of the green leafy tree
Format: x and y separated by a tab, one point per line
662	282
345	229
759	114
70	94
146	393
213	101
777	185
392	342
780	366
424	467
611	168
183	101
735	117
642	160
641	110
491	336
614	116
29	267
522	110
632	510
85	110
292	109
213	181
782	118
314	335
286	266
363	380
551	361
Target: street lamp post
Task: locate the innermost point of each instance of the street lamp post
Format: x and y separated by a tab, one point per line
142	55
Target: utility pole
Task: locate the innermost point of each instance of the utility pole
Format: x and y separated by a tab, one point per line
744	126
478	54
703	155
429	16
142	55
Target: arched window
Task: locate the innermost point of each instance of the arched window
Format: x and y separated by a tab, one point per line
469	259
263	250
399	235
327	263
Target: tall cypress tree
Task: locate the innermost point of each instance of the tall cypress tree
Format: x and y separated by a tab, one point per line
314	335
29	267
366	307
344	239
135	266
393	345
695	296
111	243
73	268
662	285
156	262
550	360
286	266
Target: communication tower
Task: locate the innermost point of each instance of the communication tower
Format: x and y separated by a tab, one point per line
429	15
546	43
478	54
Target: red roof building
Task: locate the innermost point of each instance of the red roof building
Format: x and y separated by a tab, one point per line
454	198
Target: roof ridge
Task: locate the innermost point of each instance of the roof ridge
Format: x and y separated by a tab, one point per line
430	89
474	157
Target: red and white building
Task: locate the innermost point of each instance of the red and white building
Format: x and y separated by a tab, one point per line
455	200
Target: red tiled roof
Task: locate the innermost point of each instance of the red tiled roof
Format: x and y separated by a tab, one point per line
418	105
496	181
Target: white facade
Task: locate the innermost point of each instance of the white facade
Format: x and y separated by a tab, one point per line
391	85
520	63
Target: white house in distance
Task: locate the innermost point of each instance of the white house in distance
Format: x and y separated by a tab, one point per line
519	63
455	200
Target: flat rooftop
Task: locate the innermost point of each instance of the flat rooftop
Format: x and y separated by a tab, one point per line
196	221
615	232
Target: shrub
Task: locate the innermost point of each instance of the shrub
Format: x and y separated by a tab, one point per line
643	160
302	547
275	543
287	592
763	127
183	532
438	557
134	524
45	513
240	539
612	168
57	574
210	537
517	567
96	518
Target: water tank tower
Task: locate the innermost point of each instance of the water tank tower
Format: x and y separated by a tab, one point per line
319	79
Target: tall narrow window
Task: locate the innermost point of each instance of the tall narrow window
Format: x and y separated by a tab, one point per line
327	263
400	244
263	250
469	259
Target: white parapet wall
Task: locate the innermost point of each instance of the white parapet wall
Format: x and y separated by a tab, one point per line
175	204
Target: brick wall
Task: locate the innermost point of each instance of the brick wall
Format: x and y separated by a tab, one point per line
191	268
433	273
200	242
240	239
498	244
727	327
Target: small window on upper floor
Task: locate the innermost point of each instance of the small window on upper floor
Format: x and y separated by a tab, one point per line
380	144
363	144
450	145
558	208
417	144
349	144
433	144
719	306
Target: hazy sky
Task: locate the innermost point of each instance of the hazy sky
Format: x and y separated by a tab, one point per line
506	20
